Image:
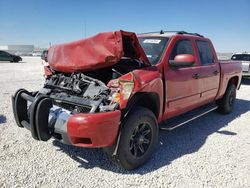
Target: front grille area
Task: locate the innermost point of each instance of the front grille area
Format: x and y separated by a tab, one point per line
72	108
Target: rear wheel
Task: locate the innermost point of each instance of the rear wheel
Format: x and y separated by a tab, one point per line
226	104
139	136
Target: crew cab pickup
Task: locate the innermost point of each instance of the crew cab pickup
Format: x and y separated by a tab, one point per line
114	89
244	58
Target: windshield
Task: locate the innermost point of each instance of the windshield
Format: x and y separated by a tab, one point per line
153	47
241	57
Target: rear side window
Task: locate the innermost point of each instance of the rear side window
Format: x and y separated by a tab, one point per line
205	53
241	57
182	47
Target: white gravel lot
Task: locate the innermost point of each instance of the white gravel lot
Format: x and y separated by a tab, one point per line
213	151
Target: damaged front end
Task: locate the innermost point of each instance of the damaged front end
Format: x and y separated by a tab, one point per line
80	104
67	98
79	93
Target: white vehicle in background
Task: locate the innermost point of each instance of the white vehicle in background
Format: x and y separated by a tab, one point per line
37	54
245	60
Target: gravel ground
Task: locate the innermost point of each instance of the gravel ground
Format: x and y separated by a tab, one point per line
213	151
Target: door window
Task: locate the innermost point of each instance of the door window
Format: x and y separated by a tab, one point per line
205	53
182	47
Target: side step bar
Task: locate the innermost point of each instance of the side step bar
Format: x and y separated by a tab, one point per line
178	121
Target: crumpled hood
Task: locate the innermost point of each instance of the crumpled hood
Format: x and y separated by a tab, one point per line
99	51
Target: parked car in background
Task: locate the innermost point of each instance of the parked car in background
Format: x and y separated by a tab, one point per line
5	56
245	60
36	54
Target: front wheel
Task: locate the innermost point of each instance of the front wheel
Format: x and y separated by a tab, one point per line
226	104
139	137
15	60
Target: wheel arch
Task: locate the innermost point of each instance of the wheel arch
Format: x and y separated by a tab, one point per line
149	100
234	80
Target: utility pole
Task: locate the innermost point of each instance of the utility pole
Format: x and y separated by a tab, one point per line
85	30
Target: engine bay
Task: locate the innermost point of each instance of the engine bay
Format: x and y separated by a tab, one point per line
87	92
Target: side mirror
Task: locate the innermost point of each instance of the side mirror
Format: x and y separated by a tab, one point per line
182	60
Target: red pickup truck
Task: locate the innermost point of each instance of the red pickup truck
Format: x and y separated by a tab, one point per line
114	89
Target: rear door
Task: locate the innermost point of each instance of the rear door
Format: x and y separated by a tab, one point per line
209	72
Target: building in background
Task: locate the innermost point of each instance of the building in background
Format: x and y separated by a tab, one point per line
224	56
31	50
27	50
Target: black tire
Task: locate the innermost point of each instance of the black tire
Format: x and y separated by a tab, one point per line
15	59
139	137
226	104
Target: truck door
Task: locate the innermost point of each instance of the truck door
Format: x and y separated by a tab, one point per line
209	73
182	86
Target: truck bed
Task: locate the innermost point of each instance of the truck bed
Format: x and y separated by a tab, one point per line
228	69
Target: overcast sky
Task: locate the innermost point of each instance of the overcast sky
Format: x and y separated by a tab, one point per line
225	22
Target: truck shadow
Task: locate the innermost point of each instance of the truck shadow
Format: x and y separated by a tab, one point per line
173	145
2	119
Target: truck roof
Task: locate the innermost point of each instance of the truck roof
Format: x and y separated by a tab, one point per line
168	33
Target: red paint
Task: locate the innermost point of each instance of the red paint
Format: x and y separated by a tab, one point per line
149	80
100	128
181	90
99	51
47	71
184	58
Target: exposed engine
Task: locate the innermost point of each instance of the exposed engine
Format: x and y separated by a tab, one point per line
78	93
87	92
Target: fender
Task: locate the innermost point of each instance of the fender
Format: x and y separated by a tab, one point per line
148	82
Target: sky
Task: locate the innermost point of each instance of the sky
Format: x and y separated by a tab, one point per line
225	22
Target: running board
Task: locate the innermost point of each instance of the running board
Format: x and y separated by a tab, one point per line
173	123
